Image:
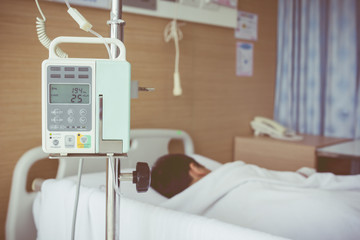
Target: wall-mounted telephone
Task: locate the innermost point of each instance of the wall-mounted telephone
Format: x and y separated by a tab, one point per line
265	126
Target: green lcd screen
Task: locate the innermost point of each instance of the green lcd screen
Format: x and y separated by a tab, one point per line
69	93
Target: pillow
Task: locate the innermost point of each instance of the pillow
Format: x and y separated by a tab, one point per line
206	162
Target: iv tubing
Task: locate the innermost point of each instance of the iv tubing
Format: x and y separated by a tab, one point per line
81	161
106	45
85	25
112	161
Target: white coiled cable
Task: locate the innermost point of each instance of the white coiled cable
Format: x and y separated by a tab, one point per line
41	32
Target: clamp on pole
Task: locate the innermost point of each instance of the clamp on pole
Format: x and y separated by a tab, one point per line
118	21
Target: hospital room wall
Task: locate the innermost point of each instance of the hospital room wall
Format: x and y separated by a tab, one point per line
216	105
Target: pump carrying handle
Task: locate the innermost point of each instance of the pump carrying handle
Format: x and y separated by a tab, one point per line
90	40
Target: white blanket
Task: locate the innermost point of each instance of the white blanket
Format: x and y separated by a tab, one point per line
322	206
53	209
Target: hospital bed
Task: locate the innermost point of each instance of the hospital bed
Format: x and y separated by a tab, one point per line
262	203
146	146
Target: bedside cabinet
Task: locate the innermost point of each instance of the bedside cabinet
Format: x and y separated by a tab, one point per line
281	155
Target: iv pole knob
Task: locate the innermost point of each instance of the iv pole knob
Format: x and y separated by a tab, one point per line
142	177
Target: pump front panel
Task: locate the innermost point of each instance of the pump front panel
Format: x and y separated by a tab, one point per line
68	107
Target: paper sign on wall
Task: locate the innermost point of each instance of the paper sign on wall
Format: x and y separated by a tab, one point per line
244	59
246	26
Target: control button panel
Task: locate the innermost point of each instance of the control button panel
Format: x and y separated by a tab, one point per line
65	118
66	140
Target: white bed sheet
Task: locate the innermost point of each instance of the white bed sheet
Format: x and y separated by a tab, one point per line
322	206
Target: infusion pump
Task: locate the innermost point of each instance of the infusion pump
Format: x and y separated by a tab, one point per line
85	102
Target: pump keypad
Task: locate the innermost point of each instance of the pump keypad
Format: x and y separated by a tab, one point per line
64	118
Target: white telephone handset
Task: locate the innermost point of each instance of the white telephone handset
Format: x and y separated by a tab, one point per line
266	126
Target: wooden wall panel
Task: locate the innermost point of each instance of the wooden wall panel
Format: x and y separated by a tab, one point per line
215	105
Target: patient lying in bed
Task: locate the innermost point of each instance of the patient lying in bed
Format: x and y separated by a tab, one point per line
288	204
173	173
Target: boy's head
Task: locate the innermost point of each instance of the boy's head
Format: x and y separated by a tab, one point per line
173	173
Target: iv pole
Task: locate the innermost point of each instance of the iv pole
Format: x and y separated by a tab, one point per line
141	177
112	198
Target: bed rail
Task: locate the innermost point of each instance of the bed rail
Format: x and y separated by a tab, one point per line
147	145
19	221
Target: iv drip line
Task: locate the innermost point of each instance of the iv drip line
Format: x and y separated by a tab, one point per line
84	24
81	162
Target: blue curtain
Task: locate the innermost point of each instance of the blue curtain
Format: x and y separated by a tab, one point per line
317	82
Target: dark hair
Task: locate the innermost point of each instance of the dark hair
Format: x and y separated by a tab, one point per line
170	174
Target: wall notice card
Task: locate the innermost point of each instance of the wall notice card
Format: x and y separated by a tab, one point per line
246	26
244	59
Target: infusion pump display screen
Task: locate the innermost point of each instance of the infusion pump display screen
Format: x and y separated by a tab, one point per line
69	93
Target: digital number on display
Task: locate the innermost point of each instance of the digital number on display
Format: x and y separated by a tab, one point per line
69	93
